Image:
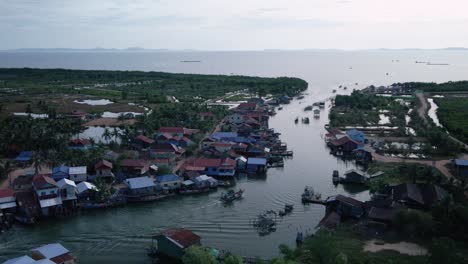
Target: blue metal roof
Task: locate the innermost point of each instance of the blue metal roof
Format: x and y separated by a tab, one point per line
167	178
461	162
24	156
58	169
221	135
256	161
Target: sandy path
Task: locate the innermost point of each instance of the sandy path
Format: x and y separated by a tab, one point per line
401	247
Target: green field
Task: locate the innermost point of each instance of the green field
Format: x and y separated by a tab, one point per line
453	114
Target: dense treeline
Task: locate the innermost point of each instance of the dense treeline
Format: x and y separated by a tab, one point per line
149	84
24	133
453	114
437	87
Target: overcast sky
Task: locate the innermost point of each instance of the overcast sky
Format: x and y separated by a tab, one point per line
233	24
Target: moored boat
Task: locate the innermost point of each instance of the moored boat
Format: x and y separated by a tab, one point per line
231	196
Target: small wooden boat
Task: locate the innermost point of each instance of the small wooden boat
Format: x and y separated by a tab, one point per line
336	177
231	196
334	91
280	108
296	120
287	209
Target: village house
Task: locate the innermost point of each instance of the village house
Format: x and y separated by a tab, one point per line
134	168
143	142
140	186
67	189
357	136
417	196
27	260
345	206
461	167
79	143
344	144
246	107
173	242
256	165
54	252
60	172
169	181
104	171
177	131
204	181
166	150
78	174
354	176
7	201
47	193
241	163
212	167
86	190
24	157
207	142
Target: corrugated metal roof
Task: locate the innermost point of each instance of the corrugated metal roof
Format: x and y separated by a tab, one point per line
44	261
167	178
84	186
7	205
140	182
461	162
51	250
50	202
20	260
77	170
64	182
257	161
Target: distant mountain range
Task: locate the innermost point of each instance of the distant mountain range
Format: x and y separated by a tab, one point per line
139	49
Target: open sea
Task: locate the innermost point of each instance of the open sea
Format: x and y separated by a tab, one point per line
120	235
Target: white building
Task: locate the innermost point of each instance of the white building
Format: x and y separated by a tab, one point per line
78	174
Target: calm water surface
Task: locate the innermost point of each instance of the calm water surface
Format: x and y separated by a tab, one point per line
120	235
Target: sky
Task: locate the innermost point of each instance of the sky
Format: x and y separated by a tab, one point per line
234	24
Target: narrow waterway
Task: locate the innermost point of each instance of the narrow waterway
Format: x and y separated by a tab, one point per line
432	113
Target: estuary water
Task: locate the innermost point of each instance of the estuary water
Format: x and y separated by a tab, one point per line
120	235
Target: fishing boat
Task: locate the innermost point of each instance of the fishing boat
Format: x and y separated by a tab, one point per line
309	196
231	196
322	104
336	177
296	120
305	120
334	91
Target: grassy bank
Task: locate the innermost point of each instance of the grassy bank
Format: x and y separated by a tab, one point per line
453	114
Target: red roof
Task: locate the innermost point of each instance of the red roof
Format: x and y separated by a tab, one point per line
183	237
103	163
79	141
40	180
62	258
247	106
342	140
145	139
134	163
6	193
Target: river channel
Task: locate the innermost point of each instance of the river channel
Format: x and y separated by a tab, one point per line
120	235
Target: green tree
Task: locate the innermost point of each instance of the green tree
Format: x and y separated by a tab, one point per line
198	255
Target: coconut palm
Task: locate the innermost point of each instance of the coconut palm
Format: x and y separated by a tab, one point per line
107	135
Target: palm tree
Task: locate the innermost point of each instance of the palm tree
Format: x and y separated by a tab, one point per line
106	135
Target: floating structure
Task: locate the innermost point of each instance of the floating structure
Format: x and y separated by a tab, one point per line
265	223
309	196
